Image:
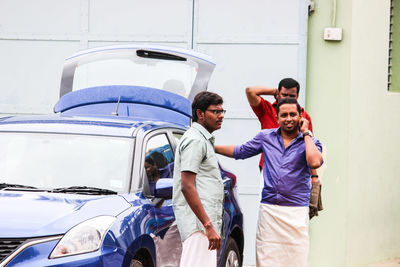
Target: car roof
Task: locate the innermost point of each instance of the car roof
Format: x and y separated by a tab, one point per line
90	125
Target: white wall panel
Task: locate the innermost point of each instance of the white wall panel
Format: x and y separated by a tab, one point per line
247	21
92	44
274	33
146	20
31	78
40	17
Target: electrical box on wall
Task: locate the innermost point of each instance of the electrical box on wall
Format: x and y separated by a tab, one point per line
333	34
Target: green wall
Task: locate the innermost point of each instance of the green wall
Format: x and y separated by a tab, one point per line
395	80
328	69
358	120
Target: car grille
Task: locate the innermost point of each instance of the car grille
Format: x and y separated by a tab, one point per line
8	245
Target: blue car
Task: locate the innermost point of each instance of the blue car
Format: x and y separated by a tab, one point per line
91	184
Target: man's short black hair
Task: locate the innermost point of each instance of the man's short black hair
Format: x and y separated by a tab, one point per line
149	160
287	100
203	100
289	83
158	159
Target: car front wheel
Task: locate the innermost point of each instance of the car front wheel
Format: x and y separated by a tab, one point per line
231	255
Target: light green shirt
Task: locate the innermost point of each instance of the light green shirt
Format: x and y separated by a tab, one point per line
196	154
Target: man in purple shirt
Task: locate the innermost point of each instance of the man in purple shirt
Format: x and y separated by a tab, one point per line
290	152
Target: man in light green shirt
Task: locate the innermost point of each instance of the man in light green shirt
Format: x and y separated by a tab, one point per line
198	191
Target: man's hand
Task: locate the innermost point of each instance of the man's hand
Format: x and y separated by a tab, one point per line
304	125
313	156
214	238
314	180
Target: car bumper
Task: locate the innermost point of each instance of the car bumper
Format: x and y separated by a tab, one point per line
38	255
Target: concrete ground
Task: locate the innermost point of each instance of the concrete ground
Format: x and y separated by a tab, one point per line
389	263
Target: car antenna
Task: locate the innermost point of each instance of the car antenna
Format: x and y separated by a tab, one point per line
115	113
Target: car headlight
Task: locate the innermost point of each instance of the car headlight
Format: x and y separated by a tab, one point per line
84	237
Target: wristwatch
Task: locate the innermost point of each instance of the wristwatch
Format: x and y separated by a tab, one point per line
308	132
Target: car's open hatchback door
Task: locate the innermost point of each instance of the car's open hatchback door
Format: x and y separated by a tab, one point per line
180	71
141	82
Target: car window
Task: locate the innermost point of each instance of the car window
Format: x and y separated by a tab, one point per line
177	137
173	76
159	160
63	160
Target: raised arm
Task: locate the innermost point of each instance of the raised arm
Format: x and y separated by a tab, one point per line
253	93
313	155
244	151
225	150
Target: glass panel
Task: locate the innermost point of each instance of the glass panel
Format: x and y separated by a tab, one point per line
178	136
58	160
159	161
125	68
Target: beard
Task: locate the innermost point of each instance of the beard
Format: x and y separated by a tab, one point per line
290	130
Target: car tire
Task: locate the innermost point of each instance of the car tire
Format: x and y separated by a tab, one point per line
232	254
136	263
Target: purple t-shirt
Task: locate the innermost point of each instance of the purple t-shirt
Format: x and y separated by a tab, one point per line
286	172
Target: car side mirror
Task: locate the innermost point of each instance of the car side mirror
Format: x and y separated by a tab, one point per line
164	188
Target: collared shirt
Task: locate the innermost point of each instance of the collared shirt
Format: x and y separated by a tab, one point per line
286	172
266	114
196	154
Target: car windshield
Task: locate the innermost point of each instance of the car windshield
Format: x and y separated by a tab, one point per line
49	161
126	68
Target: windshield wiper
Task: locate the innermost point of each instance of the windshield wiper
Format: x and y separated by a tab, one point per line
6	185
86	190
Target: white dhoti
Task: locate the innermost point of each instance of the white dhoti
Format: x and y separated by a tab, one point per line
195	252
282	236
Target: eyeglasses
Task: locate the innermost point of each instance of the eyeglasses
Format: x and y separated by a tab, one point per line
217	111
